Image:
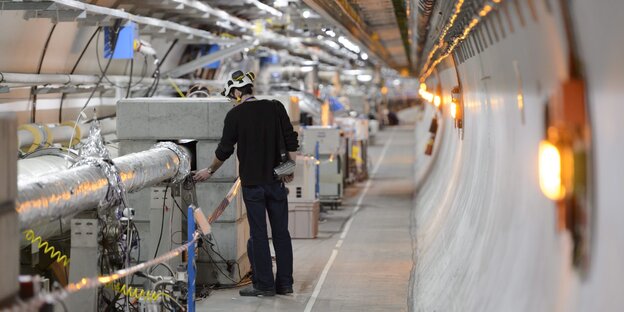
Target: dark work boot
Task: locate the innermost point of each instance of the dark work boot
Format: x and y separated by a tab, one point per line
251	291
284	291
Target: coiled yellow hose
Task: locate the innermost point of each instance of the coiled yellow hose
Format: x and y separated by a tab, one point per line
47	248
136	293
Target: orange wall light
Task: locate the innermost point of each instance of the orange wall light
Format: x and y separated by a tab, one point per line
454	110
550	171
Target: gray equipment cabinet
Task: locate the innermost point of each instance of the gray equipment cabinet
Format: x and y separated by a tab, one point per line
329	160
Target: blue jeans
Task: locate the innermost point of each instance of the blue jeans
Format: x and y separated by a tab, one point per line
260	200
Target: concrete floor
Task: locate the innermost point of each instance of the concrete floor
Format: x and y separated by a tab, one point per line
362	259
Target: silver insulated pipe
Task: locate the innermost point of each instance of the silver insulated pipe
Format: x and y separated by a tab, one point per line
61	194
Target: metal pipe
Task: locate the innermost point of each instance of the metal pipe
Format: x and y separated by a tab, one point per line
34	167
65	79
63	133
57	195
39	163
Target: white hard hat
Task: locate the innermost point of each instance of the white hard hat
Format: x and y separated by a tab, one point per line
238	80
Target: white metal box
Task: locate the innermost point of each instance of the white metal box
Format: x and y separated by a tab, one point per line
373	127
330	179
327	137
361	129
302	188
302	219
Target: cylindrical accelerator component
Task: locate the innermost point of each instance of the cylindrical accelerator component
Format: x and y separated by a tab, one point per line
33	136
56	195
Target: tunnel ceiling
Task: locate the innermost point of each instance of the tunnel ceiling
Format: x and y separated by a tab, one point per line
381	25
387	20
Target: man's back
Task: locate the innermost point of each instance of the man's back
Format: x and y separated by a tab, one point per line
254	126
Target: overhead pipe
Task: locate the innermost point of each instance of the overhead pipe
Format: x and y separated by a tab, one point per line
31	137
58	195
66	79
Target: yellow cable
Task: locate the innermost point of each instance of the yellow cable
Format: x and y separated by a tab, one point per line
137	293
175	86
54	254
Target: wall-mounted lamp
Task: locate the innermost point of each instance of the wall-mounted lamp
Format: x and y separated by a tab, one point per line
426	95
457	107
550	171
565	166
433	129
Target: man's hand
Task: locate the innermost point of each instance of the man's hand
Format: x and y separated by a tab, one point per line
202	175
288	179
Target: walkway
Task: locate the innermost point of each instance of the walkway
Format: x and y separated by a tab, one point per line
362	259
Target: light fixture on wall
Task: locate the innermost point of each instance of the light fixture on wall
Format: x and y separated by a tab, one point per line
437	101
433	129
550	171
426	95
457	108
565	166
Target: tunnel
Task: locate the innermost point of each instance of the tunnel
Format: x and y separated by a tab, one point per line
311	155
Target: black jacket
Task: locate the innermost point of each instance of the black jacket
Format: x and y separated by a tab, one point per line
253	126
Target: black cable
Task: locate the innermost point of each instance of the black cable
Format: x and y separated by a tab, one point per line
130	78
113	46
73	70
164	266
156	73
84	50
156	84
217	266
138	236
162	221
165	56
33	112
97	57
179	208
181	241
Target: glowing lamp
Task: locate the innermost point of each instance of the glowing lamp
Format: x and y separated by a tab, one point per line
437	101
294	99
423	86
454	110
550	173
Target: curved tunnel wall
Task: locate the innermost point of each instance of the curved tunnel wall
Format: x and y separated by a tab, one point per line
486	237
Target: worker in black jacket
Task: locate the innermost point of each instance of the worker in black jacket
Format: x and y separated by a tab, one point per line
253	125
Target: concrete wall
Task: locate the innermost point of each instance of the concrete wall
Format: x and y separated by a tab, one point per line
486	237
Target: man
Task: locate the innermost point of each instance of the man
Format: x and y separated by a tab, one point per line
254	125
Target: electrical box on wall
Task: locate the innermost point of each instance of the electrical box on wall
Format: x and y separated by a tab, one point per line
124	48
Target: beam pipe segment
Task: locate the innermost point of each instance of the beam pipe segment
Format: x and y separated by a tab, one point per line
57	195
